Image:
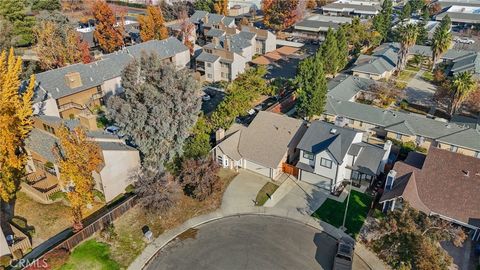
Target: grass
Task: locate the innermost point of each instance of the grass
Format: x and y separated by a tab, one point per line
428	76
406	75
129	242
269	188
412	68
332	212
91	255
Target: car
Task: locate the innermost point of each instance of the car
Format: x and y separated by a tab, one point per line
112	130
344	256
258	108
206	97
465	40
251	112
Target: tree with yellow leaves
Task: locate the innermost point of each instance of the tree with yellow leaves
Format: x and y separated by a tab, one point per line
78	158
15	123
221	7
152	25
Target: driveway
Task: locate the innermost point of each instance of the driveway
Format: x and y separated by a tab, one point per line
243	190
249	242
302	197
419	91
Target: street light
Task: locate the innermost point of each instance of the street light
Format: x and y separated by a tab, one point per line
346	207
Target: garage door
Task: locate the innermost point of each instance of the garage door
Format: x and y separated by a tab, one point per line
315	179
257	168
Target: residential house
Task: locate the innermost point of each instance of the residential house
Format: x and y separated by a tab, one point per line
263	147
13	241
352	8
69	91
330	154
459	61
448	3
383	62
42	180
461	15
205	21
442	184
316	26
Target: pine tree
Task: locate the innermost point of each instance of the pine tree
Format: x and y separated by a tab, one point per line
152	25
329	53
311	87
109	37
15	123
383	21
78	158
342	48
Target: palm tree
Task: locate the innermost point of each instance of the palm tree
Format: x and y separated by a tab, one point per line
408	37
462	86
442	38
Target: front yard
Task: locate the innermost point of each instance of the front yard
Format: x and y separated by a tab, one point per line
262	197
91	255
332	212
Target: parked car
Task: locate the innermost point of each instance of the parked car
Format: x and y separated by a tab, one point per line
344	257
465	40
206	97
112	130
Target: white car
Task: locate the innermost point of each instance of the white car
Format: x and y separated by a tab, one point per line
206	97
466	41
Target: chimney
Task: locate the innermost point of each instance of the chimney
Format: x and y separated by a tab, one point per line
219	135
73	80
205	19
390	179
227	45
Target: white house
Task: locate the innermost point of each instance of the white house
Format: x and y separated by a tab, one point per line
330	154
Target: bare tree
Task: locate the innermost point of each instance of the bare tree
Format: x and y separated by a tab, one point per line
199	177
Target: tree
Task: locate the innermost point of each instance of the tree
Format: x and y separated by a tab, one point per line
15	123
205	5
416	5
221	7
6	38
329	53
442	39
15	12
152	25
408	37
38	5
382	23
360	36
386	93
462	86
311	87
198	144
77	157
187	33
406	12
199	177
157	191
435	8
158	109
279	14
109	37
409	239
342	45
311	4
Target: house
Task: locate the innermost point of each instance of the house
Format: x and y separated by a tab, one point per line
459	61
383	62
316	26
448	3
13	241
43	178
443	184
205	21
229	51
330	154
461	15
352	8
75	89
262	147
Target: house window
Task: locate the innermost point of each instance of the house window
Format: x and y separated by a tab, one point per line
220	160
453	148
209	65
209	76
225	162
398	136
351	121
48	128
308	155
326	163
360	124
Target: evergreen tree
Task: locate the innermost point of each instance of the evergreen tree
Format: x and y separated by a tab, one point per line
406	12
311	87
422	37
342	49
383	21
329	53
205	5
442	39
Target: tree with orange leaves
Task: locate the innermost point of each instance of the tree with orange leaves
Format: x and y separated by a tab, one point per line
15	123
78	158
152	25
221	7
109	37
280	14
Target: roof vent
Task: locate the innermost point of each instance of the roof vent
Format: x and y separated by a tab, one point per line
466	173
333	131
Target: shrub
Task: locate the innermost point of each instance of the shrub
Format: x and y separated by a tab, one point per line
5	260
199	177
99	195
59	195
404	104
108	233
401	85
17	253
57	257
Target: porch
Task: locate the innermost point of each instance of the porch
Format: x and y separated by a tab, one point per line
17	241
41	183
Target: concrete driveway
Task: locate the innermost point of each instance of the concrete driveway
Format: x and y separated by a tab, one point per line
419	91
243	190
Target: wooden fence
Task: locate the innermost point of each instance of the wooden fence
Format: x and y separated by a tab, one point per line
290	169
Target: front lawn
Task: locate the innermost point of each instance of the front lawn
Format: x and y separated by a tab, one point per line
332	212
406	75
262	197
428	76
91	255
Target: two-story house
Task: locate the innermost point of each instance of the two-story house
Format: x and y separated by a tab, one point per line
69	91
330	154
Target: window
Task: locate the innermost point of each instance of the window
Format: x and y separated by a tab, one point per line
48	128
209	76
326	163
225	162
398	136
220	160
360	124
453	148
209	65
308	155
351	121
223	75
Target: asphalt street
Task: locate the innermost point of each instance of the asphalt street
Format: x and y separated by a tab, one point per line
248	242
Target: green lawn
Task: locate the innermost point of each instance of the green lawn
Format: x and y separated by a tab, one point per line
91	255
262	194
406	75
428	76
332	212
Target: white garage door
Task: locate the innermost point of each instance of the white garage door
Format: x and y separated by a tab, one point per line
316	179
257	168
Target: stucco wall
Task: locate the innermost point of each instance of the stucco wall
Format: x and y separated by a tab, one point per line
119	165
47	107
112	87
182	59
460	150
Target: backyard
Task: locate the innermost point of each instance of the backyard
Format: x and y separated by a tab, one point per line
333	211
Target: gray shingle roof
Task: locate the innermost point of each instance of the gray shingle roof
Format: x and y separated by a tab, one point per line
198	15
114	146
460	17
369	158
314	25
207	57
94	74
349	6
319	137
42	143
346	87
213	32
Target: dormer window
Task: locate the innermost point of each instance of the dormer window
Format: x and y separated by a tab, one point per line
308	155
